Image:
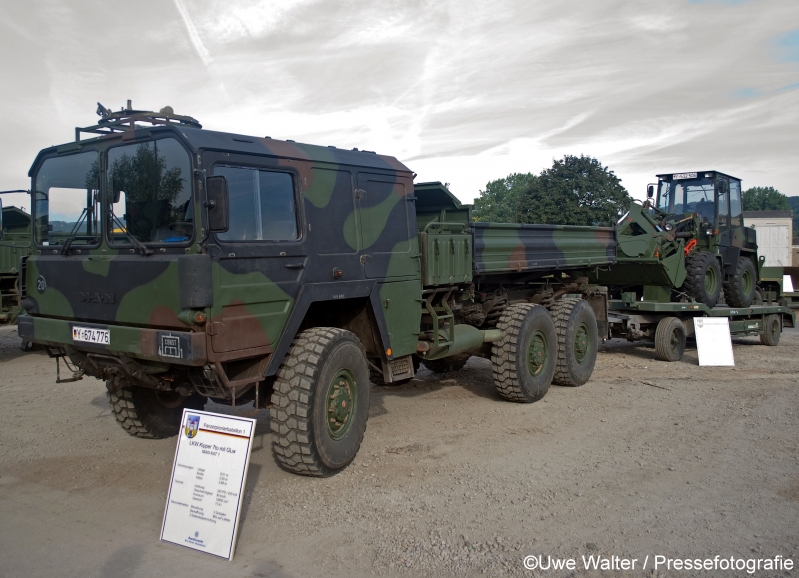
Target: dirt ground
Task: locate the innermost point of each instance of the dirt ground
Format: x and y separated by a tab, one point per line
648	458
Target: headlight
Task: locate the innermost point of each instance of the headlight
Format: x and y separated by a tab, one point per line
709	232
668	226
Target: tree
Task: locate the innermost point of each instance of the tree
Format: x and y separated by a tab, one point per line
498	202
575	191
765	199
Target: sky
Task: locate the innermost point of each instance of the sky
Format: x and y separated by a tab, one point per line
462	92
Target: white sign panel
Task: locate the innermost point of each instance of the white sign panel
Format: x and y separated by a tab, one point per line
787	284
207	485
713	341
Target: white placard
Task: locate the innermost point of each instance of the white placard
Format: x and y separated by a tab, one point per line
207	485
713	341
787	284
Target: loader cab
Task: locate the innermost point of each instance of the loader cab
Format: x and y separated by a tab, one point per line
715	198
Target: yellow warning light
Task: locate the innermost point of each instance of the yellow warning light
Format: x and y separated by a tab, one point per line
388	351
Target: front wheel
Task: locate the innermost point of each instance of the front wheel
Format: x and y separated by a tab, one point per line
670	339
703	279
320	402
149	413
523	361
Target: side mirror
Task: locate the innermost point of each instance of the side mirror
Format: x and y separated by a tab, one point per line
722	187
650	191
217	204
1	219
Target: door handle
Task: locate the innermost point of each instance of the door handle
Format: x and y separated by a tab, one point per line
295	265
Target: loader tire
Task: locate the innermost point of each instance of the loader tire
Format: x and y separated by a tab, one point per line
523	361
740	288
149	413
320	402
703	279
575	325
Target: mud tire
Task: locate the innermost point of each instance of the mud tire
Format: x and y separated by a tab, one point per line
446	364
303	441
149	413
703	280
772	327
670	338
574	320
740	288
521	325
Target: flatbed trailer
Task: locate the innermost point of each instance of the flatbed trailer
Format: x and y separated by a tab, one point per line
669	325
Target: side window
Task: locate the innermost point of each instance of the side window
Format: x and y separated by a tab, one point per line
735	202
262	206
724	207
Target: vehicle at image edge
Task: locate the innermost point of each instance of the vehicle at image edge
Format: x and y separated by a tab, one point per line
689	244
180	265
15	235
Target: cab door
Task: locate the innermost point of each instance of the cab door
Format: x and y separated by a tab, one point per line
389	246
723	210
261	258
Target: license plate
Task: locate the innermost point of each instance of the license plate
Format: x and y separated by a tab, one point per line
89	335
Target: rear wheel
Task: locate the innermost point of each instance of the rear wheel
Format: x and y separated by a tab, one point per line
149	413
772	327
703	279
320	402
523	361
670	339
739	290
575	325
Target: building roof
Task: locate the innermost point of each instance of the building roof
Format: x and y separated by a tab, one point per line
768	214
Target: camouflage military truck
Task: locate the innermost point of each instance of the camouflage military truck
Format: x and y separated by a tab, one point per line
180	265
15	233
690	243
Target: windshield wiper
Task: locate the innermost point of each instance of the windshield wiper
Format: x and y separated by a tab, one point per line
140	247
73	233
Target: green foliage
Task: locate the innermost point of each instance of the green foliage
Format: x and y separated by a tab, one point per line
144	176
498	203
575	191
765	199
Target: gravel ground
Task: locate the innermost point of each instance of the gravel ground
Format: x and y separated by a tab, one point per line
648	458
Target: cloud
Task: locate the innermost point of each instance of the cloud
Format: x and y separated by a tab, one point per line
196	41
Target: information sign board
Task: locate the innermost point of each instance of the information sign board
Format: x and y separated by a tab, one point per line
207	485
713	341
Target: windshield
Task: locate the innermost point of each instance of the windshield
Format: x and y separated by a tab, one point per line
688	196
67	200
151	192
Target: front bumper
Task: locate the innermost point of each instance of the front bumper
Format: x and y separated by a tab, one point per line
174	347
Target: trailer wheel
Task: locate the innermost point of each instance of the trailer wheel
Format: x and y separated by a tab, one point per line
523	361
447	364
575	325
703	279
149	413
320	402
739	290
772	327
670	339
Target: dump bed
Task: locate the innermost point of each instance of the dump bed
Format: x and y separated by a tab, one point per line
510	247
455	248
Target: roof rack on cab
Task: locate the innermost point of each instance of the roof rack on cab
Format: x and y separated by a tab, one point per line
127	119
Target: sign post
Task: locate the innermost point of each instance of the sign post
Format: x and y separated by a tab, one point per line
207	485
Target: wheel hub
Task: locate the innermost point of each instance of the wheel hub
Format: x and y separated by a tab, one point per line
581	339
710	281
340	403
537	353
